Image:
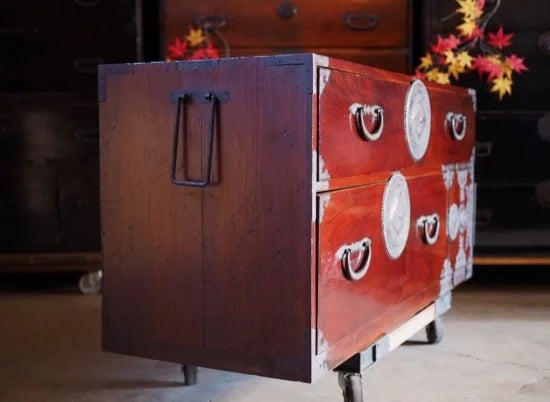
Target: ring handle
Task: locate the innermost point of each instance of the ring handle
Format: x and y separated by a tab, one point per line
456	121
430	228
357	274
377	114
361	22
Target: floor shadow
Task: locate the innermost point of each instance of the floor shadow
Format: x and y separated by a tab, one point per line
112	385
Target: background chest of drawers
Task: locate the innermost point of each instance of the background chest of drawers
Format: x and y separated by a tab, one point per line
270	236
374	32
513	168
49	52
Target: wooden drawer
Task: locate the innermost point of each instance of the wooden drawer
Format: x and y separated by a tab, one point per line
257	24
64	18
506	136
351	235
57	63
346	153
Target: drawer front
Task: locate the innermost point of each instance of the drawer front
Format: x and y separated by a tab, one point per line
63	18
513	215
59	63
393	60
50	170
364	283
347	152
503	138
297	23
460	232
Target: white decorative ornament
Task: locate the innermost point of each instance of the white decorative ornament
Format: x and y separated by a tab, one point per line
418	116
448	172
396	215
453	221
462	177
462	218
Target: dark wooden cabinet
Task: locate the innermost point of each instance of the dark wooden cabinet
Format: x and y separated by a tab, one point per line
512	164
49	126
276	215
376	33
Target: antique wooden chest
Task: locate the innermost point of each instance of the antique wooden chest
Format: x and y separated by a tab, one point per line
276	215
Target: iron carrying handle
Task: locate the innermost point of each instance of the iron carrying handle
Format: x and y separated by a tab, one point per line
180	101
357	274
377	115
430	228
454	121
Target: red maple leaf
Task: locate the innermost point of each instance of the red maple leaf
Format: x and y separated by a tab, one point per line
211	51
479	64
208	52
477	34
494	68
419	74
500	40
444	44
177	49
516	63
480	4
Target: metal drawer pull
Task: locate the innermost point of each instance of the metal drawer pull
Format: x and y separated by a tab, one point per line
361	22
430	228
483	149
88	3
214	21
349	272
181	98
87	66
455	121
377	115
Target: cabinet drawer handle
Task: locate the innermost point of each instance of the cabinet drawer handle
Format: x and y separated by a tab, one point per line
484	149
214	21
87	3
87	66
377	115
430	228
180	98
457	124
360	272
361	22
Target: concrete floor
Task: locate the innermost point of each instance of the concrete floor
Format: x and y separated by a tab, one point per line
496	348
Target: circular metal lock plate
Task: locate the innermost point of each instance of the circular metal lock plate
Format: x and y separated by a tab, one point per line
418	117
396	215
453	221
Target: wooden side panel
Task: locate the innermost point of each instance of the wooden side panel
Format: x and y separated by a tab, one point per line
257	217
315	24
151	228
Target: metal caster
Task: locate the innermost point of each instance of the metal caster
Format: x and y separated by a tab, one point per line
434	331
189	374
90	283
352	386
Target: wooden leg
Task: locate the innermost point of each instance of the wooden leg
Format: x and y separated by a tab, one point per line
352	386
434	330
189	374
